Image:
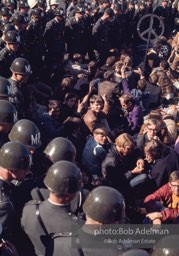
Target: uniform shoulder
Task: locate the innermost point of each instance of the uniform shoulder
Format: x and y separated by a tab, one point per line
33	202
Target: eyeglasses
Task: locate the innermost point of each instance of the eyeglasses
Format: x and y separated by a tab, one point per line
174	185
152	130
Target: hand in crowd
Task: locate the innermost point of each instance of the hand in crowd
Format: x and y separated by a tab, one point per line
11	249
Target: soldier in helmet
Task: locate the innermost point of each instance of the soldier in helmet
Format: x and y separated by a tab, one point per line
5	13
53	6
9	52
24	9
8	113
55	41
11	5
74	32
7	27
63	180
34	41
167	246
20	24
14	163
103	205
26	132
21	71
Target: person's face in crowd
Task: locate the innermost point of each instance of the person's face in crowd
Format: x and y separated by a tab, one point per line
55	112
22	78
96	106
5	128
148	156
175	187
19	175
150	3
78	15
71	102
13	47
101	138
164	3
126	150
131	6
125	106
152	130
24	10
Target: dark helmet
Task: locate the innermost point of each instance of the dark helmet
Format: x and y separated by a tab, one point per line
167	246
60	149
4	87
8	27
18	19
37	12
8	113
21	66
9	2
135	252
5	12
26	132
42	3
14	156
59	12
105	205
12	37
3	23
23	4
79	9
63	178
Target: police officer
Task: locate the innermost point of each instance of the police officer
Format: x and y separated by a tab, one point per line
9	52
101	32
26	132
55	41
167	246
21	70
74	32
8	113
63	180
14	162
51	11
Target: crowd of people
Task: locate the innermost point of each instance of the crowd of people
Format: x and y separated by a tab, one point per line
89	123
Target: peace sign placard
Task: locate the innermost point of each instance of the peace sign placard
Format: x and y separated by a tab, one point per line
155	27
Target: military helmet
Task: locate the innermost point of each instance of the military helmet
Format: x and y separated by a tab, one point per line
21	66
135	252
59	12
5	12
8	113
23	4
42	3
105	205
26	132
18	19
167	246
14	156
12	37
63	178
9	2
60	149
4	87
3	23
8	27
79	9
37	12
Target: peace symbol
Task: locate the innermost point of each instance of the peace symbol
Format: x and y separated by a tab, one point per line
152	33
